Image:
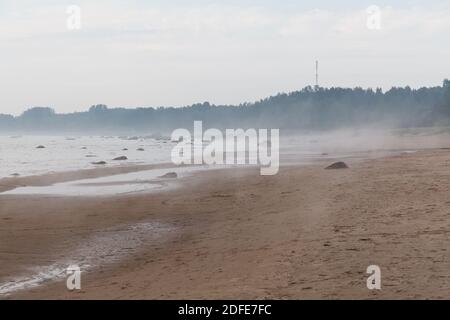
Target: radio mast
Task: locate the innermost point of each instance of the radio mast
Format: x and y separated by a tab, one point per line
317	75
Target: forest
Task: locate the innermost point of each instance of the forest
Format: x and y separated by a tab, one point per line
308	109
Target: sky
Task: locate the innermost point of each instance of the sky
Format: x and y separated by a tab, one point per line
70	55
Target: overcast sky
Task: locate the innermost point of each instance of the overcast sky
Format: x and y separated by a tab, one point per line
152	53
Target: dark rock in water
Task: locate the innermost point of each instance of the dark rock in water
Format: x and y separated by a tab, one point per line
338	165
140	149
40	147
99	163
122	158
170	175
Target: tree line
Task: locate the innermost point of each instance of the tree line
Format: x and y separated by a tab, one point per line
307	109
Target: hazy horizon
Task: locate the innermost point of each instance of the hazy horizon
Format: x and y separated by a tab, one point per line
212	103
137	54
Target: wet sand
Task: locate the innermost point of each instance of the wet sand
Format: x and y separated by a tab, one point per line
304	233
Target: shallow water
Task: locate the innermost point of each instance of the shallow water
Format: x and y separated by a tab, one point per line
19	155
104	248
135	182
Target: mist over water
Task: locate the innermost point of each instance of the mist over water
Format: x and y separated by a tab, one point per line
312	122
19	155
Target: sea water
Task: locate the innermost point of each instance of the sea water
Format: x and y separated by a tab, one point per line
19	155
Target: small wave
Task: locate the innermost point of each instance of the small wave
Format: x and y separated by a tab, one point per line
106	247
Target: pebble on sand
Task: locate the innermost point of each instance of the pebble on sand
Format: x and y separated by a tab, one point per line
170	175
338	165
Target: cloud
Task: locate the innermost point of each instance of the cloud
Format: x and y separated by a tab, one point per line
142	54
174	22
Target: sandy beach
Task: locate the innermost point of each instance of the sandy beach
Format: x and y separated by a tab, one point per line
305	233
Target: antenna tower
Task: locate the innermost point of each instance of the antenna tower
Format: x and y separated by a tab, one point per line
317	75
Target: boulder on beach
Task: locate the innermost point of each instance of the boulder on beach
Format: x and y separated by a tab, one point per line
338	165
122	158
40	147
99	163
170	175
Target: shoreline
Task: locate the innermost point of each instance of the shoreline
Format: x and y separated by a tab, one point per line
47	179
305	233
